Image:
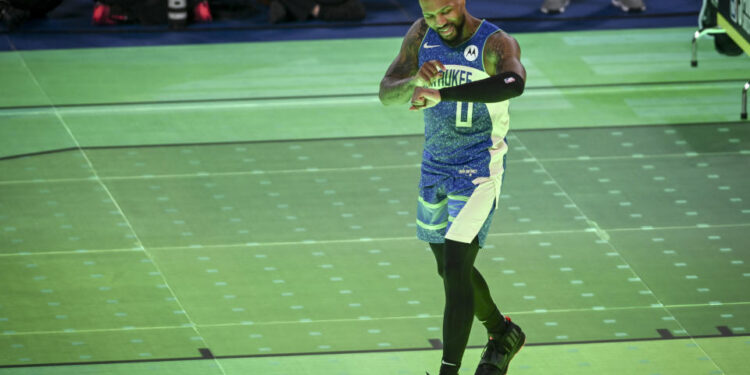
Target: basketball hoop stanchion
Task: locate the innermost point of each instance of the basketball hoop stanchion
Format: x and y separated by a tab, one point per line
725	17
743	115
699	34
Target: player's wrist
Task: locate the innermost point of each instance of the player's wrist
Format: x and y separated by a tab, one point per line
418	81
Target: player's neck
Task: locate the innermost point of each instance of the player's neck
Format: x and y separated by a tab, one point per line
471	24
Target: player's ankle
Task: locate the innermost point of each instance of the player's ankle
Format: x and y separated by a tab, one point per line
447	368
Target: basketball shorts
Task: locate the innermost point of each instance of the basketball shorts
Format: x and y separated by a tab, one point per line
455	204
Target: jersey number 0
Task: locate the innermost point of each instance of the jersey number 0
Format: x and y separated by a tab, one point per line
463	114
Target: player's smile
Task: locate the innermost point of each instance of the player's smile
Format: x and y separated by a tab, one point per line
447	30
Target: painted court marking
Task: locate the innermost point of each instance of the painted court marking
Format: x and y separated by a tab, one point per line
622	258
119	209
725	331
351	169
360	240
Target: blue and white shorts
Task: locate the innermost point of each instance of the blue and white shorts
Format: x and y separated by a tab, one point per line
456	204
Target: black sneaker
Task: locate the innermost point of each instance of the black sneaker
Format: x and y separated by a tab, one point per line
500	350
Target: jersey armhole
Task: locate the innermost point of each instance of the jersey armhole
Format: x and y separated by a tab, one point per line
424	40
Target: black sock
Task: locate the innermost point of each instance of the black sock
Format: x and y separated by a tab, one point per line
495	323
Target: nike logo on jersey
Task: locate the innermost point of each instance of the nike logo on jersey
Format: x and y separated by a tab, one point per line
430	46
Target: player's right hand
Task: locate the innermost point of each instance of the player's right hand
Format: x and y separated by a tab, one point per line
430	71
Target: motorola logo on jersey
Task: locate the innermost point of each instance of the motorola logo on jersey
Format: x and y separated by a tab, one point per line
471	53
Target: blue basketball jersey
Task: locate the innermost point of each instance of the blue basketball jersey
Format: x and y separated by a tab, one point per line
462	134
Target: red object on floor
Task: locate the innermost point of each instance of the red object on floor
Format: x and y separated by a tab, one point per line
202	12
102	15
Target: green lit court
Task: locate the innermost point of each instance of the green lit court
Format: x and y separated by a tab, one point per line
250	209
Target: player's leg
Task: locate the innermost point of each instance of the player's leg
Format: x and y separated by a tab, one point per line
458	267
485	309
472	219
432	222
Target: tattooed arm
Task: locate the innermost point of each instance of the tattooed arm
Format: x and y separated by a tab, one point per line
502	61
404	74
502	54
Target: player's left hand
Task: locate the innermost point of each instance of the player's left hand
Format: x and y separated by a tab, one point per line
424	98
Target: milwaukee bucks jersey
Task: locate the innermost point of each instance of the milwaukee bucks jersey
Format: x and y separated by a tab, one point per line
463	134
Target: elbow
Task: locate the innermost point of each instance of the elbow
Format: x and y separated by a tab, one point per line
519	85
508	85
508	92
382	94
382	98
387	98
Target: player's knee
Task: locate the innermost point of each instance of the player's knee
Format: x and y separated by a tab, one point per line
438	249
456	269
457	265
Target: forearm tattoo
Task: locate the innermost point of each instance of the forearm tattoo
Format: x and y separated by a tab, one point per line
398	84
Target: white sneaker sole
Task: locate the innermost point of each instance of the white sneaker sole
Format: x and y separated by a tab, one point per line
556	11
622	6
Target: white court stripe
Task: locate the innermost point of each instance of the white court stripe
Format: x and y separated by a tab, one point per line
204	106
360	240
360	168
220	174
352	320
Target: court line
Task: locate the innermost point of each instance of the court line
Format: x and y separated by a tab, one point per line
220	174
409	238
369	319
72	252
604	237
397	350
251	142
263	103
122	213
297	98
631	126
368	168
679	227
363	240
228	143
155	103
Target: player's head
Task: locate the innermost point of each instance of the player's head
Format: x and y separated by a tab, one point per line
447	17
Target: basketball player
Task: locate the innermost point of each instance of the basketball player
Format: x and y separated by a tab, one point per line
460	72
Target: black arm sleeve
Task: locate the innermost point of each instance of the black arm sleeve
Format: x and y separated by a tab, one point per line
497	88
